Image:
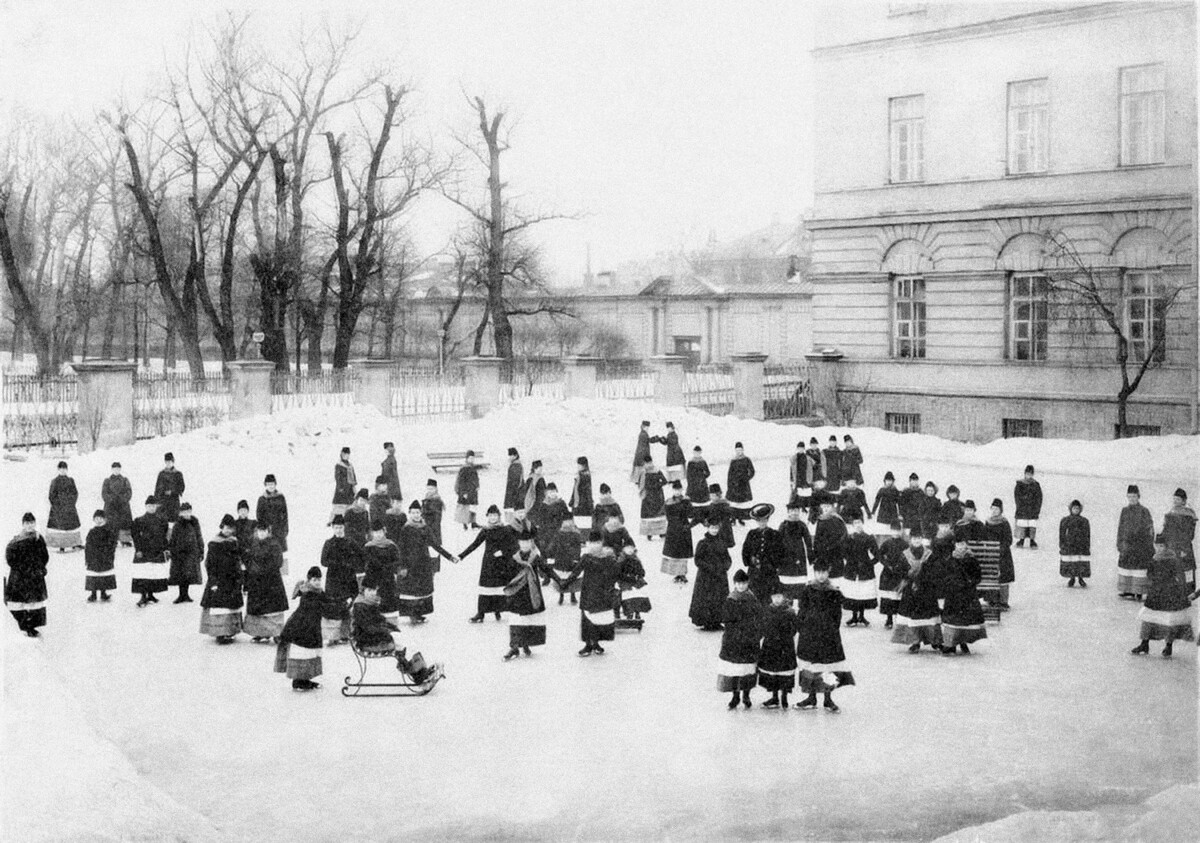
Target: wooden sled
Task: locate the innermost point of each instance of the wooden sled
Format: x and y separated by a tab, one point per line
406	687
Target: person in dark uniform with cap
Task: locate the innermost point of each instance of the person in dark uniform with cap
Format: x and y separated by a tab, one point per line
763	553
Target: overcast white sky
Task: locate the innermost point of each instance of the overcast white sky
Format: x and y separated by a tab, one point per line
658	121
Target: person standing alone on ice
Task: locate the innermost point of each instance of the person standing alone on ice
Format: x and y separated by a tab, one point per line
117	495
25	586
389	471
640	452
1167	613
1179	528
1075	546
62	527
168	490
819	654
186	545
741	472
1028	497
581	493
98	555
466	493
741	618
514	496
149	554
1135	546
345	482
221	602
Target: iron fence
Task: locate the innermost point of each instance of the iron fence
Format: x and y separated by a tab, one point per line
787	392
291	391
40	411
420	394
709	389
176	402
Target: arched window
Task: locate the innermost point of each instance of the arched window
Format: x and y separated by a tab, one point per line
906	263
1141	254
1028	322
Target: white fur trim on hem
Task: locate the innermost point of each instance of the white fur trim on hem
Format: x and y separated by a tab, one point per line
813	667
725	668
526	620
600	618
911	622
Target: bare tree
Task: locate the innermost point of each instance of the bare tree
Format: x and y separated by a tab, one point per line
1076	288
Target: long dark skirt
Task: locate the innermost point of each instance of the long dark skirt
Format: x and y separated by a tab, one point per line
734	676
526	630
597	626
777	680
1072	567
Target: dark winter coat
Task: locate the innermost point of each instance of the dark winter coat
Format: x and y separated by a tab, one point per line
960	577
599	579
100	548
581	494
563	555
1135	537
763	554
432	510
243	531
393	522
910	508
466	485
951	512
390	473
63	497
674	452
117	493
342	560
549	521
1028	497
712	581
677	544
265	591
697	480
382	561
972	530
303	628
814	466
778	653
891	558
187	551
651	486
272	510
533	494
862	552
918	597
833	468
345	484
524	588
930	509
726	512
741	472
604	508
370	629
852	464
27	558
499	544
798	549
378	505
829	543
223	573
741	615
1179	530
852	503
819	615
168	491
616	540
1074	536
415	544
797	471
641	450
886	508
358	524
149	534
514	497
999	530
1167	590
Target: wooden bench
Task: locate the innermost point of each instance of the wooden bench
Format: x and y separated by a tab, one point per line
987	554
453	460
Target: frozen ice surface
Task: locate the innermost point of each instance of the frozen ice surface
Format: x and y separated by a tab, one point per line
1050	714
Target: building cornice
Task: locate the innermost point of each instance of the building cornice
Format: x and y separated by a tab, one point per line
991	28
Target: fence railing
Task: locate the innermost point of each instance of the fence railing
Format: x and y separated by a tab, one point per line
40	411
787	392
291	391
420	394
709	389
551	391
172	402
634	386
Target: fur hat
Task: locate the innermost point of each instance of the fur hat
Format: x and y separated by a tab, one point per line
833	439
363	493
185	506
242	505
812	440
1180	493
647	460
62	464
314	573
380	480
889	476
115	465
605	489
968	504
996	502
431	482
371	582
713	520
1075	504
99	513
677	484
228	520
794	503
168	457
339	519
525	534
820	564
697	449
28	518
151	500
583	461
270	478
913	476
470	453
595	536
551	486
493	510
737	444
847	438
535	465
645	423
762	510
389	445
714	488
952	489
376	526
1029	469
741	576
345	450
1133	489
416	504
670	425
512	452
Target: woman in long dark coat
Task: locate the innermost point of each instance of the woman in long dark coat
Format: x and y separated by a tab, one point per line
381	564
117	495
712	578
187	551
345	482
1075	546
1135	546
342	560
697	477
169	489
852	460
741	472
499	544
819	654
997	529
526	606
650	486
858	580
581	502
221	602
741	617
918	618
891	574
829	542
677	544
962	616
798	551
466	492
777	659
600	569
1028	497
415	584
674	460
25	586
62	527
99	555
1166	614
266	595
273	511
1179	528
299	651
149	534
640	452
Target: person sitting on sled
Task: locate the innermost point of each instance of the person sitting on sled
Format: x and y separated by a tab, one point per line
374	634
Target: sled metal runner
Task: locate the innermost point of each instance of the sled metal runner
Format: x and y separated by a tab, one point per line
360	688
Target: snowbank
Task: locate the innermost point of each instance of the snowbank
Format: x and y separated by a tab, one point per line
62	781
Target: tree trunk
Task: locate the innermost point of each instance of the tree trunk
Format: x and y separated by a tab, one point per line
24	304
169	355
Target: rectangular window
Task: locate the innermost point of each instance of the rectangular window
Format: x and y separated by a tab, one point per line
1022	428
908	334
902	422
1145	313
654	330
1028	126
1137	430
1143	114
906	130
1028	317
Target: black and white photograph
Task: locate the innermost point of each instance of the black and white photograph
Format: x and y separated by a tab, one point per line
714	420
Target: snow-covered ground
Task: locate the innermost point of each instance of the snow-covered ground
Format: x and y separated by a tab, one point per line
159	734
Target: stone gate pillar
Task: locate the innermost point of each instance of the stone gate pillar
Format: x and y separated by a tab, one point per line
580	376
105	417
374	384
825	372
250	388
669	387
748	384
482	384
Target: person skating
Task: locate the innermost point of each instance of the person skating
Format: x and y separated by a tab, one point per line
962	616
777	657
817	496
697	477
741	621
221	603
149	535
416	582
952	509
1166	614
819	654
1027	495
380	501
852	460
62	527
891	573
829	542
1075	546
851	501
606	506
798	472
581	503
243	528
117	495
357	518
342	559
677	544
266	595
25	594
858	580
969	526
298	653
674	461
910	505
533	493
833	466
640	451
499	544
741	472
886	507
1135	546
513	483
724	511
997	529
929	510
526	606
549	520
99	555
432	510
345	482
168	489
600	568
390	471
394	520
918	618
186	546
272	510
653	521
763	552
615	535
632	597
797	552
814	464
466	493
712	577
562	559
1179	528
